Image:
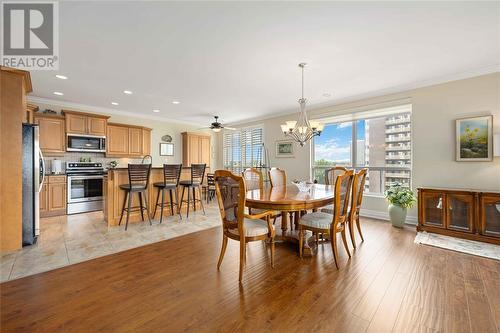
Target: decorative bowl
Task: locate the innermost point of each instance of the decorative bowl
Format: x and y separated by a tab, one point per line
303	186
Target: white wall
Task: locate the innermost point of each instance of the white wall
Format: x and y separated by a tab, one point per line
159	129
435	109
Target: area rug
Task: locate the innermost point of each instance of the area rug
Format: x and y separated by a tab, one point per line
460	245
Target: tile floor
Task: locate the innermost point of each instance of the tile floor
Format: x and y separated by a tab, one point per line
66	240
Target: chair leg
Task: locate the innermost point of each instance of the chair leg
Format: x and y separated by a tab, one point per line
243	246
140	203
123	207
178	204
201	200
156	205
351	233
128	210
188	202
194	200
222	251
162	204
146	201
333	240
171	202
301	240
359	228
182	197
273	251
344	240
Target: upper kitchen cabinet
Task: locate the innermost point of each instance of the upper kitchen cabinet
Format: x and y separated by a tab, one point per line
52	134
196	149
85	123
128	141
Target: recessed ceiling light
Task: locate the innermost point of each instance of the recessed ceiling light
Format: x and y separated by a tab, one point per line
58	93
62	77
327	95
114	103
128	92
156	110
176	102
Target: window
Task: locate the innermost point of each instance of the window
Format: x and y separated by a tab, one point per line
243	149
382	143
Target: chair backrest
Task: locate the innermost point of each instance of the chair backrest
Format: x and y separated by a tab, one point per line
332	173
138	174
198	173
230	190
277	177
210	179
253	179
342	197
358	188
172	173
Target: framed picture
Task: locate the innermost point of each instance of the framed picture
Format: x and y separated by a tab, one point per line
166	149
474	139
284	149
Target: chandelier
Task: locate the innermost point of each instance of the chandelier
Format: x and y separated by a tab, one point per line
302	130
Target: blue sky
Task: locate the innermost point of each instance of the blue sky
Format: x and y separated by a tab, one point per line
334	143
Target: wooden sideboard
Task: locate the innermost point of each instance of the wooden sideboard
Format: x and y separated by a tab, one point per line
466	214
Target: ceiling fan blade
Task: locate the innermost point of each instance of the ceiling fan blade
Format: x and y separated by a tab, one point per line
230	128
204	128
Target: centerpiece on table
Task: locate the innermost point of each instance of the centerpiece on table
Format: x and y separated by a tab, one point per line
400	198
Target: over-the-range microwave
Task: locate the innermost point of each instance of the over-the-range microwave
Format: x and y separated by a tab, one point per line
86	143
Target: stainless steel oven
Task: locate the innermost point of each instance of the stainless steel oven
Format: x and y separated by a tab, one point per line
85	181
86	143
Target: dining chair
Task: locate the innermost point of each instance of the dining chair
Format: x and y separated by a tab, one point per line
209	187
231	196
358	188
171	176
277	177
197	176
328	224
138	180
331	175
254	180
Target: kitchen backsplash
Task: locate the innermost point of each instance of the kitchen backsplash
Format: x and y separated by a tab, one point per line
95	157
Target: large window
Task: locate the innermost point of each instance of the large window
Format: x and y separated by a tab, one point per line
381	143
243	149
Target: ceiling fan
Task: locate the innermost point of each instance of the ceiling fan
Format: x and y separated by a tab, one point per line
216	126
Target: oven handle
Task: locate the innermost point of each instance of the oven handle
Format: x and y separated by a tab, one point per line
84	177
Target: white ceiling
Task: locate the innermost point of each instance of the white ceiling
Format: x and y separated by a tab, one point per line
239	60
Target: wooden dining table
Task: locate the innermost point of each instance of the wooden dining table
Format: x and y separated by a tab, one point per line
288	198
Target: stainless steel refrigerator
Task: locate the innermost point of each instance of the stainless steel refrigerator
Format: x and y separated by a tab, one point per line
33	176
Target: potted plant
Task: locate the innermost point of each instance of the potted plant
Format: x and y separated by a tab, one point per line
400	198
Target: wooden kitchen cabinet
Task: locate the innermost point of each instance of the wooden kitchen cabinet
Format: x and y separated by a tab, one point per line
128	141
53	197
85	123
52	134
135	141
196	149
467	214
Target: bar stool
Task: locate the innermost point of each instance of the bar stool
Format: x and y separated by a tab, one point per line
171	175
138	179
209	188
197	175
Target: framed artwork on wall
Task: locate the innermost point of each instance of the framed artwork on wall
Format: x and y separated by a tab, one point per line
284	148
474	139
166	149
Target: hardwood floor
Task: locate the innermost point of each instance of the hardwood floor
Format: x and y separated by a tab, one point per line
390	284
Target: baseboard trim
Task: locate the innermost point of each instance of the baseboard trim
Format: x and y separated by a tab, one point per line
376	214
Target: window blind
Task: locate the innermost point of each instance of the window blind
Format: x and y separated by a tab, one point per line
243	149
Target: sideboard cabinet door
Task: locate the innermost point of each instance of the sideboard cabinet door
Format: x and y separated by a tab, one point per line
489	213
460	212
433	209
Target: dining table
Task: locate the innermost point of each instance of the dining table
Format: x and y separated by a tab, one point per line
288	198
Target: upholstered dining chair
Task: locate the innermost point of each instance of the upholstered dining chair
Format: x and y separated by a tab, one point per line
254	180
328	224
231	195
277	177
358	188
332	173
